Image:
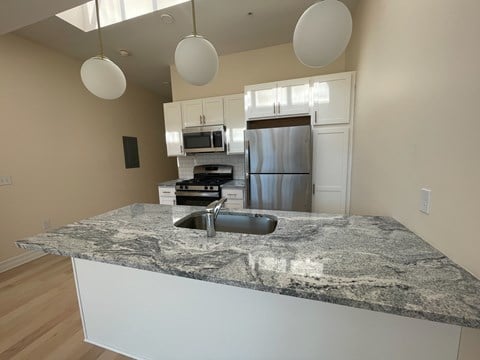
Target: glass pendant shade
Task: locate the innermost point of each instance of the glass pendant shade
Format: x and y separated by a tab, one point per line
196	60
322	33
103	78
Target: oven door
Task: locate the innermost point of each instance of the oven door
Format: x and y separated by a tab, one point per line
196	198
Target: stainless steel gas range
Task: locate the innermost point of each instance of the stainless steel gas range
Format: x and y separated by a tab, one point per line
205	186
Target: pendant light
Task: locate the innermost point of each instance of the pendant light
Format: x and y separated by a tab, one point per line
101	76
196	58
322	33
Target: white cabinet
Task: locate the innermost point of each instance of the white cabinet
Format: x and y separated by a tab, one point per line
332	99
234	116
173	128
234	197
330	169
202	112
293	97
166	195
261	100
282	98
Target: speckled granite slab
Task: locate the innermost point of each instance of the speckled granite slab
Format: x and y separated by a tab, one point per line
372	263
168	182
239	183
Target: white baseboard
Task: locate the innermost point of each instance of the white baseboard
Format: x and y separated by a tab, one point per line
18	260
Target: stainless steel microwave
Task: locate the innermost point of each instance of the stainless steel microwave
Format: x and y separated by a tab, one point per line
204	139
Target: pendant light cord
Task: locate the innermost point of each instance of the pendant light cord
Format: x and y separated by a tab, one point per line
100	41
194	20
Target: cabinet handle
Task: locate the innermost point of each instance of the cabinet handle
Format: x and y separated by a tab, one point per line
201	120
174	202
274	108
165	192
313	189
228	147
181	148
232	195
315	116
278	108
204	120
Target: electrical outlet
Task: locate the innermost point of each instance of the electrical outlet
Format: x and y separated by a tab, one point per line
5	180
47	224
425	197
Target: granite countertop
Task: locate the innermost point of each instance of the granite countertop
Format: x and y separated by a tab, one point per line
366	262
238	183
168	183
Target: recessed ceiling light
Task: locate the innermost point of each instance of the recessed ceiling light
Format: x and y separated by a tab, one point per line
167	19
124	52
250	13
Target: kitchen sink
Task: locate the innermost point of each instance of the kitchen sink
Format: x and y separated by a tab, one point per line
245	223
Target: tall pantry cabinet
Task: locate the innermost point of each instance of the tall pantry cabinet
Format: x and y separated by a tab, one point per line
332	133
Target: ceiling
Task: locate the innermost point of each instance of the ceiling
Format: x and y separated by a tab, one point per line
152	43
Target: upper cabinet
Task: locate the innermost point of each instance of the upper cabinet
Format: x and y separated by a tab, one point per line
282	98
332	99
234	116
202	112
173	128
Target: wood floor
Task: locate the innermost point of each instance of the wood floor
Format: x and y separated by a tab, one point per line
39	316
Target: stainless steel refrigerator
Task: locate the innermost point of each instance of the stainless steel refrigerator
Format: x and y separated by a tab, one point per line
278	168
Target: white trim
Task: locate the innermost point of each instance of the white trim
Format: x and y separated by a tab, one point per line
79	298
353	96
18	260
113	349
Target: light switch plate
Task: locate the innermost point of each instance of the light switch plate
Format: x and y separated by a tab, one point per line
425	198
5	180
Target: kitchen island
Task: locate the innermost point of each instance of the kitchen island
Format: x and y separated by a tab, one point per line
334	269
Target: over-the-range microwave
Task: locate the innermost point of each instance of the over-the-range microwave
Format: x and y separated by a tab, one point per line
204	139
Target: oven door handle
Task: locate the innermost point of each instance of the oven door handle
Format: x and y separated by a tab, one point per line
214	195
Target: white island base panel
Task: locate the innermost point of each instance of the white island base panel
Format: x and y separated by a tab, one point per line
149	315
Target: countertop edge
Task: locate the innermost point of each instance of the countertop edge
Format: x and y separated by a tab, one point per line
422	315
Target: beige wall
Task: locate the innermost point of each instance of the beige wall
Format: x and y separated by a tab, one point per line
417	122
63	146
250	67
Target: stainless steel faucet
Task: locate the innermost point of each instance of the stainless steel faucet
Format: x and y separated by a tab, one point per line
212	212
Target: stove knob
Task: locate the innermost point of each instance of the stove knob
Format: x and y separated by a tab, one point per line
206	187
185	187
211	187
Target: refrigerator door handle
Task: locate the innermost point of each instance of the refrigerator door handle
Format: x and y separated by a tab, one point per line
247	174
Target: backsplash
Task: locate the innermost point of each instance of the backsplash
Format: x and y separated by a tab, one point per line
186	163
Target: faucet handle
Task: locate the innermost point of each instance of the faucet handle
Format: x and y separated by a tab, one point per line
215	206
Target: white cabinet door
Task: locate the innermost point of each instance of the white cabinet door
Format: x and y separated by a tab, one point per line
168	200
330	169
213	111
234	197
202	112
192	113
166	195
260	100
331	98
234	115
293	97
172	113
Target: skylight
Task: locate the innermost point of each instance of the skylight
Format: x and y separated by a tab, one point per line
112	12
